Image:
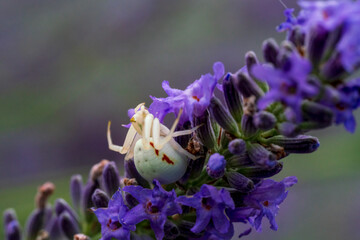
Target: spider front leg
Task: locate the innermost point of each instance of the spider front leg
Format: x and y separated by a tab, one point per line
127	143
159	143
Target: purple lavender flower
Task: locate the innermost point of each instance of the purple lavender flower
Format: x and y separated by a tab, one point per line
154	205
290	22
348	99
288	84
194	99
216	166
111	219
264	201
210	204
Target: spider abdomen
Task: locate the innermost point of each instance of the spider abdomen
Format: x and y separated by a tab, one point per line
166	165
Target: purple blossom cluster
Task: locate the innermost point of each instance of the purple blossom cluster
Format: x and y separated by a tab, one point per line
239	138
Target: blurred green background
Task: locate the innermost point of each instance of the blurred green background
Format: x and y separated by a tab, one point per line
67	67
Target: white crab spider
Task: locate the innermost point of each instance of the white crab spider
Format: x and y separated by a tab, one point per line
156	154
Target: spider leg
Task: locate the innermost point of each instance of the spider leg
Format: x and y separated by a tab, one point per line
137	108
185	132
127	143
146	130
168	137
156	132
178	148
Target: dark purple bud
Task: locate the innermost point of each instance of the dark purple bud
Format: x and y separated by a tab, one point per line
97	169
68	226
193	170
62	206
184	139
86	202
237	161
333	69
270	51
100	199
223	117
317	113
111	178
216	166
135	236
130	200
232	97
76	186
205	132
299	144
251	60
53	228
171	230
289	129
316	43
260	172
12	230
185	229
131	172
297	37
9	216
264	120
247	125
237	146
34	224
260	155
247	86
239	182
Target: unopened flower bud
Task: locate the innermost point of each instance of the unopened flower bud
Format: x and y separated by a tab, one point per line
171	230
81	236
9	216
288	129
100	199
250	60
205	132
247	125
264	120
97	170
270	51
216	166
232	97
68	226
333	69
44	192
12	230
237	146
34	224
297	37
317	113
111	178
222	116
237	161
260	155
62	206
316	44
260	172
239	182
76	190
247	86
86	202
299	144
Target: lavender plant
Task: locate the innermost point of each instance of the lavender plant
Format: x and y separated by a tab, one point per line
212	168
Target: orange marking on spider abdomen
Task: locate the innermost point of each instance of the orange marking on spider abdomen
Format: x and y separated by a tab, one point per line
167	159
156	151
